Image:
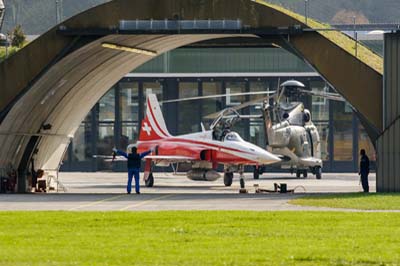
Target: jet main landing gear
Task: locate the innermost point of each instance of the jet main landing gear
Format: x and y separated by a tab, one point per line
149	182
228	179
148	169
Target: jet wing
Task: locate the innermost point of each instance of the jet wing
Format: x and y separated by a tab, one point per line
156	158
170	158
110	158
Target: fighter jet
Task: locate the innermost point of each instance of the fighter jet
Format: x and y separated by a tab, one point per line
202	150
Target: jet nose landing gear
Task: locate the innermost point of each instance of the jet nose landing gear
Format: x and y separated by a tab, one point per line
242	190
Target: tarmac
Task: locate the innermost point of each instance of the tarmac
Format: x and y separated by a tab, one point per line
107	192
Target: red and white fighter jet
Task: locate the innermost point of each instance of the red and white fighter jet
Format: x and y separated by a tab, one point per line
200	149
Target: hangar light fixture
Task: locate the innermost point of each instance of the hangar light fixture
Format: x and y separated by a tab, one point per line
128	49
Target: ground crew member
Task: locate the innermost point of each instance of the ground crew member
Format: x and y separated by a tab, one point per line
134	160
364	170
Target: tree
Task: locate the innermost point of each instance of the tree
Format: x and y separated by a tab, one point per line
347	17
18	37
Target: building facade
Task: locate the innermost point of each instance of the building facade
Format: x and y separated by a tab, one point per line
186	72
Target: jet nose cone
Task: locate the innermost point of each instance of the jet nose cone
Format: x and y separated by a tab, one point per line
269	158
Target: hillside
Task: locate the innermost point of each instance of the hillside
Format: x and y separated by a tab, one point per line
373	11
37	16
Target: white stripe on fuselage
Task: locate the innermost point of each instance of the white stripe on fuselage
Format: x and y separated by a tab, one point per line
154	125
241	149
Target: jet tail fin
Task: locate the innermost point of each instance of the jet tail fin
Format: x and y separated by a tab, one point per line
153	125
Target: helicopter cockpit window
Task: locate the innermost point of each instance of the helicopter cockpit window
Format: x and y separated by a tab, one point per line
233	137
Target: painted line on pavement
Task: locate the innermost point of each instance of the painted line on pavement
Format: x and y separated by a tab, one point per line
145	202
96	202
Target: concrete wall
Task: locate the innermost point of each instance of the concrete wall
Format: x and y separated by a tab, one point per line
388	145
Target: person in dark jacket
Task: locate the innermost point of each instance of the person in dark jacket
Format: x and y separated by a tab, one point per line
364	170
134	161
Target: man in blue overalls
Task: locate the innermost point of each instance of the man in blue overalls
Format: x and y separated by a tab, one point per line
364	170
134	160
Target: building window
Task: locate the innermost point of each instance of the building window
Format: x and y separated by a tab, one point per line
129	133
153	87
106	111
323	131
106	118
364	142
129	101
242	127
257	127
320	105
81	149
210	106
188	111
342	132
235	87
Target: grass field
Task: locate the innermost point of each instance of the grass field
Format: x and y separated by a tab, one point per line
199	238
359	201
11	51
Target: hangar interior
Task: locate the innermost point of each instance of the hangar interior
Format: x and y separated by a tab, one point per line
69	70
196	71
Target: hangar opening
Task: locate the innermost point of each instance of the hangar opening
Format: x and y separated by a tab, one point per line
213	68
72	72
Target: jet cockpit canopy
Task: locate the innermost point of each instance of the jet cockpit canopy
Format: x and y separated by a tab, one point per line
233	136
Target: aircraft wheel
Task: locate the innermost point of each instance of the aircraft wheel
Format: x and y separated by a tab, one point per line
298	173
242	185
150	180
318	172
228	179
256	173
305	173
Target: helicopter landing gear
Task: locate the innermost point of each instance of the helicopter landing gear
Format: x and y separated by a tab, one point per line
228	179
318	172
301	172
305	173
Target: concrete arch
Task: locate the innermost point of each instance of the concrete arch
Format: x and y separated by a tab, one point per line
57	79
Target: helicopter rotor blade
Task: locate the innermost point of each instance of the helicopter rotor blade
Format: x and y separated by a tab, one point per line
238	107
326	95
218	96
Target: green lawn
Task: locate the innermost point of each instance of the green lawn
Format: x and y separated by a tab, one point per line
199	238
11	51
359	201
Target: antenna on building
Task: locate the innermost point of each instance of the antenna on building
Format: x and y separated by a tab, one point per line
59	11
2	12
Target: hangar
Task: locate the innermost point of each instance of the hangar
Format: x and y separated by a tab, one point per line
44	102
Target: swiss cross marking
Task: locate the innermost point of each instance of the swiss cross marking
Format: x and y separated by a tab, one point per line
146	128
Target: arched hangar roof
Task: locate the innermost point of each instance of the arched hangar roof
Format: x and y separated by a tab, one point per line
57	78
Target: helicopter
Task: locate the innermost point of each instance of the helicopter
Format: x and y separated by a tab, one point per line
289	131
